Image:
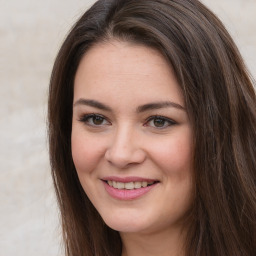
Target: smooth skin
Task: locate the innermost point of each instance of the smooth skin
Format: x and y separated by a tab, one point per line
129	119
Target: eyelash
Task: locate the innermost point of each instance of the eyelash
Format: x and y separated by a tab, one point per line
86	120
169	121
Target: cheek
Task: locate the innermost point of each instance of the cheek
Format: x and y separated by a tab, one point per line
86	152
175	155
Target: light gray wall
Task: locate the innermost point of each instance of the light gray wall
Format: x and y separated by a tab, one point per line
30	35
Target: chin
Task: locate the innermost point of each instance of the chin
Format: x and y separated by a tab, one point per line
127	223
123	222
126	227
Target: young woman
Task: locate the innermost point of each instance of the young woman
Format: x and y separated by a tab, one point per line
152	130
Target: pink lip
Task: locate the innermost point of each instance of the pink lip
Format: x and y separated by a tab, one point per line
127	179
127	194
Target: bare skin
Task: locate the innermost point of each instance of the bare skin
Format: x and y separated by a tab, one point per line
130	122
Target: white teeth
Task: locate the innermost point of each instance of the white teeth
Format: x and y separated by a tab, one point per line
120	185
137	184
129	185
144	184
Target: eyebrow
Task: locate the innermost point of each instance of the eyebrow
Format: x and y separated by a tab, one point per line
158	105
140	109
92	103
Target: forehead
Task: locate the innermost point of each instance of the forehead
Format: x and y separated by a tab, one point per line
121	69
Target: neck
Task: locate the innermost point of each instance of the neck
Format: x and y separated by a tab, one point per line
168	243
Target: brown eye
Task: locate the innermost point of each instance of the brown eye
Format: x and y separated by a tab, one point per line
94	120
159	122
97	120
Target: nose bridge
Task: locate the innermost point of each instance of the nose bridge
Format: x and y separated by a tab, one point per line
123	137
125	147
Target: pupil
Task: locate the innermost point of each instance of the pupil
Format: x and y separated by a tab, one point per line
159	122
97	120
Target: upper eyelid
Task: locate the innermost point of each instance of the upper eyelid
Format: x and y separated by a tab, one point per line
160	117
92	115
86	116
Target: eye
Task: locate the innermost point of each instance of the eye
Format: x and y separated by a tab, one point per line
159	122
94	120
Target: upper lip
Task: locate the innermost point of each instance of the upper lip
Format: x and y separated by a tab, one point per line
128	179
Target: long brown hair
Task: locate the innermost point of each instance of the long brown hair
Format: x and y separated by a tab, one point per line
221	103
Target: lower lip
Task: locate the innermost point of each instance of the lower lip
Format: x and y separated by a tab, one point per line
127	194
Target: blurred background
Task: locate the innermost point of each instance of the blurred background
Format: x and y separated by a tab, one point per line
31	33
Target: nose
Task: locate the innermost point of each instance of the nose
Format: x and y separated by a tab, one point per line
125	149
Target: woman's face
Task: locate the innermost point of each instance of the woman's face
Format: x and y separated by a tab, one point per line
132	142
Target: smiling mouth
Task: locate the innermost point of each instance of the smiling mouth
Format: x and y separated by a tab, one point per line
128	188
130	185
